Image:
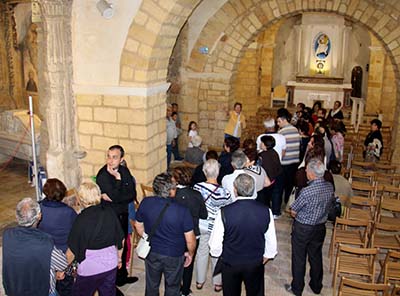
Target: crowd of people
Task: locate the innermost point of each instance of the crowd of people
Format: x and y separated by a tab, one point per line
200	212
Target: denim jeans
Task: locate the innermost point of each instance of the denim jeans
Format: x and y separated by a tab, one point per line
172	269
169	154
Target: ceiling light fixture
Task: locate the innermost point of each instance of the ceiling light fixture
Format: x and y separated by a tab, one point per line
105	9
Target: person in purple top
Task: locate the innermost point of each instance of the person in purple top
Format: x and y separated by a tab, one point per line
96	243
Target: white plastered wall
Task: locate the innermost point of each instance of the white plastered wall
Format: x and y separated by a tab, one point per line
97	43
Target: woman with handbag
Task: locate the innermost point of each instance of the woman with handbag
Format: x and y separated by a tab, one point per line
95	242
215	197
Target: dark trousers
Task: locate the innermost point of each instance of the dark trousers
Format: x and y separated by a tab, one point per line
289	173
251	274
188	274
64	287
172	269
307	240
175	150
169	154
104	283
123	272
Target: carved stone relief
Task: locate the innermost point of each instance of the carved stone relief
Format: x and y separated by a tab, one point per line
55	90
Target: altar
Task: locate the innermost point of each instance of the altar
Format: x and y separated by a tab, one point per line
322	44
327	90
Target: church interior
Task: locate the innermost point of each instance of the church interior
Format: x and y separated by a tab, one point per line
101	73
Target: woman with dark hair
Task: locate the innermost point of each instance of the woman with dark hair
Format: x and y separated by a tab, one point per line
374	142
316	150
317	105
272	165
193	200
57	220
231	144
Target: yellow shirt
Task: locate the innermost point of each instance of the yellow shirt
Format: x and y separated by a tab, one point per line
233	120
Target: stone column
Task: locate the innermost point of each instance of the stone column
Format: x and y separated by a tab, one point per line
55	92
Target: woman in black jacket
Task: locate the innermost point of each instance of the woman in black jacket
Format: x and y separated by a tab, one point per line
193	200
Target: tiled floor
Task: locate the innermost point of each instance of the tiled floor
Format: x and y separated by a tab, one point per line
14	186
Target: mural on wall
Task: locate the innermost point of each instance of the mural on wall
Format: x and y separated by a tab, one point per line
30	59
322	46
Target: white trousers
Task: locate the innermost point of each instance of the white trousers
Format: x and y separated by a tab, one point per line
203	253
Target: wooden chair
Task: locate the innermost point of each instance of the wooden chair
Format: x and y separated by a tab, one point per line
387	179
350	287
349	232
364	189
146	190
385	236
396	290
355	261
361	208
390	267
391	191
362	176
387	168
389	211
361	163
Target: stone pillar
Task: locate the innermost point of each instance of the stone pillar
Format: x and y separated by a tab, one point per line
55	92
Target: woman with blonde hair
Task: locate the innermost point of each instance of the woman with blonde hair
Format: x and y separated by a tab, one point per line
95	242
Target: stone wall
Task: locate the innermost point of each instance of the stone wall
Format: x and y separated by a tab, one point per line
247	83
382	88
136	123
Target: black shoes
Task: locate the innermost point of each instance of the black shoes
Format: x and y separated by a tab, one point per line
128	280
288	288
119	293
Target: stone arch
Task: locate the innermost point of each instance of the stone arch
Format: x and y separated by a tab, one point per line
150	40
242	23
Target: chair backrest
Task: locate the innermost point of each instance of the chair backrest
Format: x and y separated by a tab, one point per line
280	91
364	189
358	251
356	288
396	290
391	266
387	178
146	190
351	222
391	191
361	175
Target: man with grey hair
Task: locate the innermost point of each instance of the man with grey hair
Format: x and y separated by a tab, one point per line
310	212
244	242
194	155
239	162
270	130
174	234
29	255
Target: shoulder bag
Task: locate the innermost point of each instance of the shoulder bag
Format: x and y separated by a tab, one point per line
143	247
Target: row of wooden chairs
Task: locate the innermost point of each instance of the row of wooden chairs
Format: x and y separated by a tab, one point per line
360	262
349	287
363	233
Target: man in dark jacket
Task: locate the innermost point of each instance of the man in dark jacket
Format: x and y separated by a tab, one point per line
244	242
118	190
29	256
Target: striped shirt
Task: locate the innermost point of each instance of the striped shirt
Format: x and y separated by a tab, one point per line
292	137
58	263
215	197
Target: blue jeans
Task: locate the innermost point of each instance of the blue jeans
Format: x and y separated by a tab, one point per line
172	269
169	154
